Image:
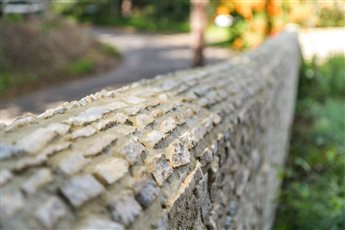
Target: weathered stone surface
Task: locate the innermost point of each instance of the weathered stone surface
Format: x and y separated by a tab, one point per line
120	118
142	120
131	150
134	110
111	169
5	176
80	189
147	194
134	100
178	154
160	168
206	157
39	138
168	125
30	162
195	149
124	209
83	132
88	116
50	212
51	112
115	105
20	122
152	138
95	223
11	202
97	145
38	179
8	150
55	148
72	163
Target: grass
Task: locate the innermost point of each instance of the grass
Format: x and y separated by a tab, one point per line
81	66
110	50
313	192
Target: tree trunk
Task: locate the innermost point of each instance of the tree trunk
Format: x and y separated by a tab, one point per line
269	20
126	8
198	25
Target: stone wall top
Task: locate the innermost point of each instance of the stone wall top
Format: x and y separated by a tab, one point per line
147	155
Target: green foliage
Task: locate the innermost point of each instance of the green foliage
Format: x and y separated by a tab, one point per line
13	18
313	193
148	15
9	80
81	66
5	81
109	50
332	17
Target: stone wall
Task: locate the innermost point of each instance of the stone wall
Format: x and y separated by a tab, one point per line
196	149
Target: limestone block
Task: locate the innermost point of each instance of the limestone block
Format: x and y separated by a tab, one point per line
131	150
50	212
124	209
97	145
160	168
38	179
5	176
111	169
11	202
152	138
83	132
147	193
178	154
72	163
80	189
95	223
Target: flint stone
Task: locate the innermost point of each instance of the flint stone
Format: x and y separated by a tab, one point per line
160	169
90	115
142	120
73	163
125	129
80	189
178	154
5	176
50	212
38	179
131	151
168	125
147	194
8	150
55	148
115	105
152	138
83	132
124	209
95	223
134	100
111	170
39	138
20	122
97	145
206	157
11	203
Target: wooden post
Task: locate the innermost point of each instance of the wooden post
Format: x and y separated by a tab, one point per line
198	26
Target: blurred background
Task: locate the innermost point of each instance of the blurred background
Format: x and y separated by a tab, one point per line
55	51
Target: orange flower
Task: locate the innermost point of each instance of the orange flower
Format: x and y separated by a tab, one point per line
238	44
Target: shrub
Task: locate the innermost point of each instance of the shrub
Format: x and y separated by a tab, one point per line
313	192
81	66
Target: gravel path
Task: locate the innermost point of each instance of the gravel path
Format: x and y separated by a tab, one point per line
145	56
